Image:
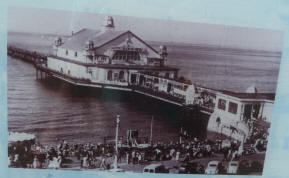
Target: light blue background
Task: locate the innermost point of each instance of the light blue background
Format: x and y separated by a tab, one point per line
272	14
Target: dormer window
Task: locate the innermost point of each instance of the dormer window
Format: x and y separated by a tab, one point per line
89	45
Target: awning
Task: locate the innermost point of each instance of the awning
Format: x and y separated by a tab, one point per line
16	136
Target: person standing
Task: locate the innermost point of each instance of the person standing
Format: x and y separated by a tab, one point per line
36	163
177	155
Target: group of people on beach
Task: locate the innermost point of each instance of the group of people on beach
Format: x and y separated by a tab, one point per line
28	154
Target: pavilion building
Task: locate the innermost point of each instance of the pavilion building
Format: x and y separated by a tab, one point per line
107	58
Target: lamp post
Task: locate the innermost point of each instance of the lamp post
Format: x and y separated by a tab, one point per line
181	135
116	142
151	135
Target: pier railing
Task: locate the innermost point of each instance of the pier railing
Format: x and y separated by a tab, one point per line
26	55
160	94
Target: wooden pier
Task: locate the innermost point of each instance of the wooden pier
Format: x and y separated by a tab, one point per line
32	57
40	63
26	55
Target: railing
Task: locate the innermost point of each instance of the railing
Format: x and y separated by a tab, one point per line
160	94
116	82
26	55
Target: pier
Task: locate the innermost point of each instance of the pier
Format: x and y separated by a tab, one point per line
26	55
32	57
229	113
40	63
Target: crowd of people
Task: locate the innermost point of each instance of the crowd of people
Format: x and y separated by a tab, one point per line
101	156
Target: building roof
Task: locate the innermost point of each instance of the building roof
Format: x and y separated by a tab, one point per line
262	96
99	38
78	40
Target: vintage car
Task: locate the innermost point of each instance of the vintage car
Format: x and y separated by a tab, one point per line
155	168
233	167
215	167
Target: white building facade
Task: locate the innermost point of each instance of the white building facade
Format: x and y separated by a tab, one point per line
234	112
107	57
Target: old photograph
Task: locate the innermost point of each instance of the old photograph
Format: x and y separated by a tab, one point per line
104	92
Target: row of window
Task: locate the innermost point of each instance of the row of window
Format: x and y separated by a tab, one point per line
61	70
126	55
75	53
119	55
233	107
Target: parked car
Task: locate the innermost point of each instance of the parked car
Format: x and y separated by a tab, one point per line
215	167
155	168
191	168
212	167
233	167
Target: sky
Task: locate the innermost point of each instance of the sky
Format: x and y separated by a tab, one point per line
37	20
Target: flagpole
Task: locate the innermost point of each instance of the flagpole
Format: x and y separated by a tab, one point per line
116	142
151	135
181	135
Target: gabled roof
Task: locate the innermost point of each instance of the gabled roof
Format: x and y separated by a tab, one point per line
99	38
78	40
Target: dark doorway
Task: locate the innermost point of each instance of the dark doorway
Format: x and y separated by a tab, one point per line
133	78
121	76
169	87
141	79
247	112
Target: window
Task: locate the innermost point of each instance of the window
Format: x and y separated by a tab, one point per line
90	57
222	104
75	54
233	107
109	75
256	110
167	75
115	75
66	52
126	55
121	76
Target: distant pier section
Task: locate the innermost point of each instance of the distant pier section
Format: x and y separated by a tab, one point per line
26	55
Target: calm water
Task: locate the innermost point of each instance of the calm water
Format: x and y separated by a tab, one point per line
54	111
